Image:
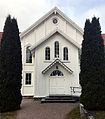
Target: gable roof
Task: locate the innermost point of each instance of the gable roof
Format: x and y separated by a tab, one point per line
51	34
55	10
55	62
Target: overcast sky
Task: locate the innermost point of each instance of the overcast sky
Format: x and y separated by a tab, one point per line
28	11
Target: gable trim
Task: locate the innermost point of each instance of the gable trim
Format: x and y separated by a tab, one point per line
51	34
55	10
53	63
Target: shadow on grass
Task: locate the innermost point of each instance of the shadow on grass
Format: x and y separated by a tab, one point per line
74	114
8	115
98	114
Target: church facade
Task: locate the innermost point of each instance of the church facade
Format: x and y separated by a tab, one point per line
50	56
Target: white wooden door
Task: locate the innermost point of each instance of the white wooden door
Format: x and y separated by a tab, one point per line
57	85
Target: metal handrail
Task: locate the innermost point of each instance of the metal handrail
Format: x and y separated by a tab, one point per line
73	89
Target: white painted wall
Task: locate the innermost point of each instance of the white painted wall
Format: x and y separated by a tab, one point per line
48	26
40	82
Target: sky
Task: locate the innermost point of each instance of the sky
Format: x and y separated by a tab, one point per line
28	12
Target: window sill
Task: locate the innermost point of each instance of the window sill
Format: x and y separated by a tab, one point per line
28	64
28	85
57	58
66	61
47	61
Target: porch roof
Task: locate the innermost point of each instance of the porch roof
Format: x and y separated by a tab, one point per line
55	62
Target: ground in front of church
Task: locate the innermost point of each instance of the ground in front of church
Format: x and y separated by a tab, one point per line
31	109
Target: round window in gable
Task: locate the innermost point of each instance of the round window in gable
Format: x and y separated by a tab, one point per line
55	21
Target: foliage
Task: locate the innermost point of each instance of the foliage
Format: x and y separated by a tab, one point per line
8	115
92	75
75	114
10	67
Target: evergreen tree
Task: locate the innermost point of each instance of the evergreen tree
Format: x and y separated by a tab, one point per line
85	51
92	75
10	67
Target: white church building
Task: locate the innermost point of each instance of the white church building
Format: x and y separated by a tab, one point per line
50	56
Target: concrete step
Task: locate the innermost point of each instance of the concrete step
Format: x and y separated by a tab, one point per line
57	101
62	97
57	98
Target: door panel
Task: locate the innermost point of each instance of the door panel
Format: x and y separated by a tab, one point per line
57	85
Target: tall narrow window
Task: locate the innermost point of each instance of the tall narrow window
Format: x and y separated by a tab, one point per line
47	53
28	79
28	55
56	49
65	53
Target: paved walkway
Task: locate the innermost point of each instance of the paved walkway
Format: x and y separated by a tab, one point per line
31	109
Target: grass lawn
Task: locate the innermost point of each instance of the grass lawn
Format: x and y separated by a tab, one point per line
8	115
75	114
98	114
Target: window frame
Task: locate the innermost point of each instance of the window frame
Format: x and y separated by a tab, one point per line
47	54
27	48
25	78
52	75
56	49
65	54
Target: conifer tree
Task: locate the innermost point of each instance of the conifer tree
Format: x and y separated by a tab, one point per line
92	75
10	67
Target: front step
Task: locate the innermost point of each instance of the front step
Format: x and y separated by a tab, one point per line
59	99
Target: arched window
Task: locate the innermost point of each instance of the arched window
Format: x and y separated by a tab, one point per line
28	55
65	53
56	73
47	53
56	49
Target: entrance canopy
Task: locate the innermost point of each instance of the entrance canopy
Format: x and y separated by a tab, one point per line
54	63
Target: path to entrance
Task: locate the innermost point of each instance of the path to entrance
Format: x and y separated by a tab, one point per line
35	110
